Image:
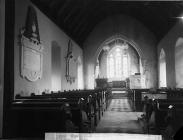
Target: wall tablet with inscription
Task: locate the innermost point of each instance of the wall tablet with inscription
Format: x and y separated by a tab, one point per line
31	48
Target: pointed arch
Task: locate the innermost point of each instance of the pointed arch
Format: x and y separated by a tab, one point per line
104	47
162	69
79	73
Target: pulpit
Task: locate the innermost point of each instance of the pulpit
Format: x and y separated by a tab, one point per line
137	81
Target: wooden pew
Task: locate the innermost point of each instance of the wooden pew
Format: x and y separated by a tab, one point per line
162	110
97	99
34	118
137	98
40	106
174	98
101	96
47	115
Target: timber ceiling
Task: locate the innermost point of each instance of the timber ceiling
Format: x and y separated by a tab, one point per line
79	17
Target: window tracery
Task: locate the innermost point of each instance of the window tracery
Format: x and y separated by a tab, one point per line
117	63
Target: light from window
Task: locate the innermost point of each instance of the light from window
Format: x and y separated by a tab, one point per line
117	64
97	71
80	74
111	66
162	73
125	66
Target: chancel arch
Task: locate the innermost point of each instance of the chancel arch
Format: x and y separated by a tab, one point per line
118	60
162	69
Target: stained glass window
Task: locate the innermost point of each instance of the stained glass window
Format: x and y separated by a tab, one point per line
117	63
110	66
125	66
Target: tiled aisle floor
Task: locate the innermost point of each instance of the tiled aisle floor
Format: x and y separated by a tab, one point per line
119	118
119	105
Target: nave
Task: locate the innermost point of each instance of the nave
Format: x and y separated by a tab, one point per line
89	66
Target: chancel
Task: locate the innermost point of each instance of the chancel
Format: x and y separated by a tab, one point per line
106	69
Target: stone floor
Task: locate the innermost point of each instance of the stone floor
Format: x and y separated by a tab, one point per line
120	105
119	118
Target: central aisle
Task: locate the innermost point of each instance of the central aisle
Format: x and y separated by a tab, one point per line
119	118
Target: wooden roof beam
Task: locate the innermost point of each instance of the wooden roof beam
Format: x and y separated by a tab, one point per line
85	17
91	7
79	25
54	3
73	10
62	9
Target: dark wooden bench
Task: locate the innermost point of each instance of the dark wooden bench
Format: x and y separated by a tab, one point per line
174	98
36	114
162	110
137	98
35	117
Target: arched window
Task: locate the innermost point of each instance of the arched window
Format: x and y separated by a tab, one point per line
80	73
97	70
110	68
117	63
125	65
162	69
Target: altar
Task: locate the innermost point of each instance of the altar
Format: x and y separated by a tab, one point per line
119	84
104	82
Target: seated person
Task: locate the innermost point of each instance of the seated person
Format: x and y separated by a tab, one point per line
169	131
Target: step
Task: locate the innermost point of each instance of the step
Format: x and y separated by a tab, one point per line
119	92
118	89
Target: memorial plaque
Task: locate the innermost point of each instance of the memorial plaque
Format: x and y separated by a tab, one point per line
31	48
31	60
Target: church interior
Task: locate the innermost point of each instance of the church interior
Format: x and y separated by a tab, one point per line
110	67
